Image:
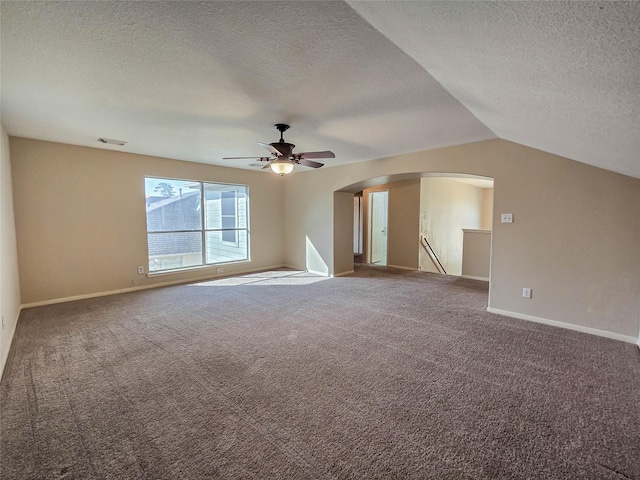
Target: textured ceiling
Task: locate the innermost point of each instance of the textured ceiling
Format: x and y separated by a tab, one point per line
563	77
202	80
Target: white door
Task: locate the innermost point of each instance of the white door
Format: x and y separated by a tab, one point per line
379	207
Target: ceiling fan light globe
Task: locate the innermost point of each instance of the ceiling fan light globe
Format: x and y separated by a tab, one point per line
282	167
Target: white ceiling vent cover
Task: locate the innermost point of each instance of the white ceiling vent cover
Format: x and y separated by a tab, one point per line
112	141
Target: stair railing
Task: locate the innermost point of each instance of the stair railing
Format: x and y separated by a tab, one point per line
432	255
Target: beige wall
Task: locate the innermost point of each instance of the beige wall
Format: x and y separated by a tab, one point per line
446	207
315	227
81	222
9	278
574	239
486	221
343	215
403	239
476	254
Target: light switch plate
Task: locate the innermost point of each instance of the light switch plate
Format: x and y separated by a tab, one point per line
506	218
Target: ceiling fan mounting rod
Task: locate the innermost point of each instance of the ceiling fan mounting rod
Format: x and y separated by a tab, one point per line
282	127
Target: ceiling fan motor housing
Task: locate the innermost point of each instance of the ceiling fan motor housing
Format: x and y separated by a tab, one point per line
286	149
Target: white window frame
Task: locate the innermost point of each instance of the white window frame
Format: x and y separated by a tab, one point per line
235	242
203	229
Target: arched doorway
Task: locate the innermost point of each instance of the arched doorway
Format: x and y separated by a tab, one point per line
441	208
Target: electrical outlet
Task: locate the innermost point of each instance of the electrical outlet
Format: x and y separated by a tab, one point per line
220	270
140	270
526	293
506	218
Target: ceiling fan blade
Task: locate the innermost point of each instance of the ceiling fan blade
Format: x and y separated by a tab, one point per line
325	154
271	148
240	158
310	163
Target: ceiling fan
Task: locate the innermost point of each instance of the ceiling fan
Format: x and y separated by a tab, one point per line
282	159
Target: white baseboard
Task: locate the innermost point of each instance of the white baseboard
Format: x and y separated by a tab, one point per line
401	267
146	287
471	277
318	272
5	354
322	274
98	294
292	267
343	274
568	326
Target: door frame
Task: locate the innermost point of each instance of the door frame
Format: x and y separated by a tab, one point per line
371	226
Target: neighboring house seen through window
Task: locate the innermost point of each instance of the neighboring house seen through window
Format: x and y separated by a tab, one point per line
228	214
192	224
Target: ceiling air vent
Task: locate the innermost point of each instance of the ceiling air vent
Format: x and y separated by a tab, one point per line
111	141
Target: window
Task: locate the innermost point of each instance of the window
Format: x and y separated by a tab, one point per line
228	214
192	224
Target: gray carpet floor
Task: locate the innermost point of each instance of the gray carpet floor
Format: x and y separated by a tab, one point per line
382	374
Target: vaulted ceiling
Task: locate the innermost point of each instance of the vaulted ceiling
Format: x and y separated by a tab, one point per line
199	81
